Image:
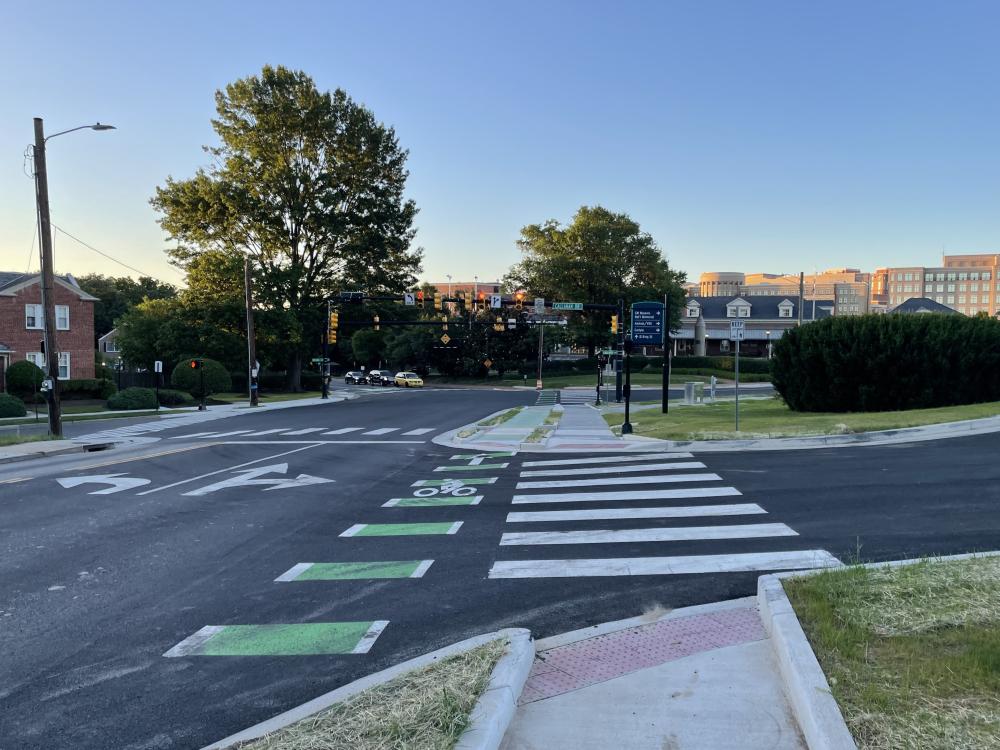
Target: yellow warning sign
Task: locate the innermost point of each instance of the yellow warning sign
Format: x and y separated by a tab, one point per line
488	363
445	338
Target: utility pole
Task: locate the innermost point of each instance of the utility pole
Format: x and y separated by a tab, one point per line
802	293
326	353
251	340
48	281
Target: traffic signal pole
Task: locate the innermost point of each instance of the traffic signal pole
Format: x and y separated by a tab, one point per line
665	405
326	353
620	345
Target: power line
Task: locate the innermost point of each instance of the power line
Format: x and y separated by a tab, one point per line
101	253
31	250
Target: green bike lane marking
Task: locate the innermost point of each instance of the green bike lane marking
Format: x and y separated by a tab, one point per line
402	529
302	639
353	571
472	467
431	502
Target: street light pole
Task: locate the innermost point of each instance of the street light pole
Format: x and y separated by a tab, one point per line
48	276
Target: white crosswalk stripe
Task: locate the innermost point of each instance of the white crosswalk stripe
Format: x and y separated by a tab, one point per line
381	431
344	430
578	397
305	431
614	469
420	431
653	523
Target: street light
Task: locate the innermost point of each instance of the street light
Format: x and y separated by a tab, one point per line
768	334
48	279
449	284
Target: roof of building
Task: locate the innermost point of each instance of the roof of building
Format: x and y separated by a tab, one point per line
923	305
762	306
10	281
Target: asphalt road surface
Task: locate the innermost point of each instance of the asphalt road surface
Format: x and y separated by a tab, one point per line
387	546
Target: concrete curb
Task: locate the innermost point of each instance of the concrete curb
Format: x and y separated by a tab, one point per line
55	451
519	652
814	706
493	712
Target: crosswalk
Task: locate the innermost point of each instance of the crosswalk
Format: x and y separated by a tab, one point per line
577	396
309	433
648	512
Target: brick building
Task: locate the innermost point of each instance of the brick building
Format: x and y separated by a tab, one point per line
967	283
22	324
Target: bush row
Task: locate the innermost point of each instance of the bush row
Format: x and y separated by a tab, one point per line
11	406
888	363
640	362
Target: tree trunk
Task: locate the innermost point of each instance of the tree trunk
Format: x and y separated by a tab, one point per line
591	348
293	380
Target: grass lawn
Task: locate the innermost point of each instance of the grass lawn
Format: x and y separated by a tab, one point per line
912	653
18	439
771	418
70	417
427	709
264	398
500	418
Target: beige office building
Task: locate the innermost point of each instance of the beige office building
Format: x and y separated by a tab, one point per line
846	289
966	283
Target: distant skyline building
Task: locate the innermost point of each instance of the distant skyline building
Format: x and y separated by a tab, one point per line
845	290
966	283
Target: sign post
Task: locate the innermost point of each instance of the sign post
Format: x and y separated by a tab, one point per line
158	369
736	333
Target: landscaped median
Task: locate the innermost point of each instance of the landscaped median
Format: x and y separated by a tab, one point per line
770	418
462	696
911	652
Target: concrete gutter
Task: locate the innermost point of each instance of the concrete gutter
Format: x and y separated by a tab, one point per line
44	448
490	715
815	708
964	428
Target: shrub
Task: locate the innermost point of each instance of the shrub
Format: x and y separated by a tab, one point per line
747	364
133	398
186	378
888	363
86	388
175	398
24	378
11	406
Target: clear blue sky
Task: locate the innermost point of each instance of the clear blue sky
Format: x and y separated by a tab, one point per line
763	136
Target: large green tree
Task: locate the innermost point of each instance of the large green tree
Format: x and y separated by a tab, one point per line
309	185
600	256
119	294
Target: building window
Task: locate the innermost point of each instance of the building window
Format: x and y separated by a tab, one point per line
963	276
951	299
952	276
986	275
974	276
973	287
951	287
909	277
928	287
692	312
63	365
33	319
111	346
62	317
36	358
744	312
784	312
940	287
961	299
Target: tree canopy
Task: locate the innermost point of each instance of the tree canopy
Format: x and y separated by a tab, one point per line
600	256
119	294
309	185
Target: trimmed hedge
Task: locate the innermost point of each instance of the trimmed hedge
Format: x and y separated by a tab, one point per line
11	406
588	365
24	377
754	365
186	378
175	398
276	381
888	363
133	398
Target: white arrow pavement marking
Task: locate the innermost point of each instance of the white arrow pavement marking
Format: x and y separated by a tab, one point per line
249	477
118	482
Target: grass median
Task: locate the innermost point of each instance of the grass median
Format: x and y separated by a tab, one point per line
770	418
427	709
912	653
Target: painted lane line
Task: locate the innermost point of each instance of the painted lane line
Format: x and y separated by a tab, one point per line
344	430
431	502
214	435
614	469
681	511
369	638
292	639
380	431
193	435
479	456
355	571
229	468
619	536
305	431
605	459
681	565
317	441
15	480
294	572
265	432
615	481
402	529
420	431
599	497
475	467
456	482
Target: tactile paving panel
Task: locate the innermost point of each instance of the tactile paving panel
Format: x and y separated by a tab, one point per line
604	657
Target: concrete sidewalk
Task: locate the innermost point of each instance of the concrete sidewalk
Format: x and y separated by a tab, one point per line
42	448
700	678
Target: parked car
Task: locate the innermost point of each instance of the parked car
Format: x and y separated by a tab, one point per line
381	377
355	377
408	380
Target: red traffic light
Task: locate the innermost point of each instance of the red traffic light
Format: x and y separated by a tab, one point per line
195	364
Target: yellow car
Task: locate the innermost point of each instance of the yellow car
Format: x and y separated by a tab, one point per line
408	380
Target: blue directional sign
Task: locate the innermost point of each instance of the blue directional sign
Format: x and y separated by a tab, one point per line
647	323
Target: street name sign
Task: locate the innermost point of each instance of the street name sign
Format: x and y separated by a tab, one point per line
647	323
567	305
737	331
319	360
158	366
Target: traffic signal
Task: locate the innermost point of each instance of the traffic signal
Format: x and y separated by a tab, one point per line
444	322
481	300
519	300
438	304
196	364
614	324
420	298
498	326
376	323
334	321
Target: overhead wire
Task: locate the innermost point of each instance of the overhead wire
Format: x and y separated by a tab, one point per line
102	253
